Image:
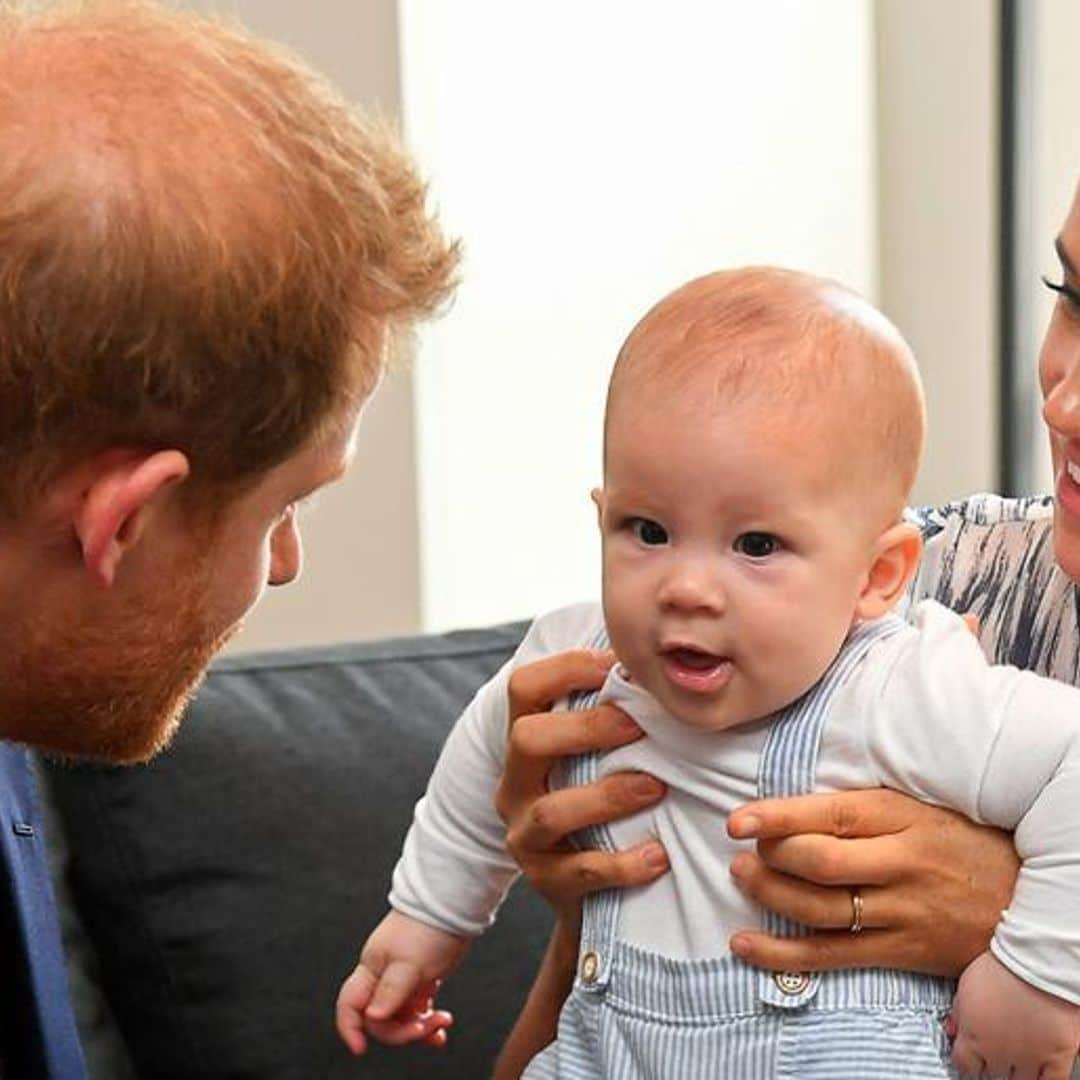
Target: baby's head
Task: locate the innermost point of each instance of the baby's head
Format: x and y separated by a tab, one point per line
763	431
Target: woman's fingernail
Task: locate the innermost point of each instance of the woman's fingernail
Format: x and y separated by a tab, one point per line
740	946
744	827
739	867
655	857
646	787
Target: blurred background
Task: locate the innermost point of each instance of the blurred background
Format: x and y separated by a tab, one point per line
594	155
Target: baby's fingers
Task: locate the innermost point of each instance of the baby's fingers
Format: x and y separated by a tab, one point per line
352	999
429	1028
1057	1070
398	982
968	1061
1059	1067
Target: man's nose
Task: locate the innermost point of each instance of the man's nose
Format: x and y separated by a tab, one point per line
286	552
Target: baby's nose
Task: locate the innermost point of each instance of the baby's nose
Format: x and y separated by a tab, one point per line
693	588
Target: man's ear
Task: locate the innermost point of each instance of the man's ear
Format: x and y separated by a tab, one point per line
116	501
896	557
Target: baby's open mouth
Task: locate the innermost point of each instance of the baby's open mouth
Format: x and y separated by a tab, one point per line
695	669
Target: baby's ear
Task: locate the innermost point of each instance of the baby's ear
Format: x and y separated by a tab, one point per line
597	496
896	557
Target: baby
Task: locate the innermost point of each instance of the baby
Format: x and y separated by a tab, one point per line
762	435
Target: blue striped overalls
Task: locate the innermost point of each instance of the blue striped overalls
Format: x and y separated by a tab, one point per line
635	1014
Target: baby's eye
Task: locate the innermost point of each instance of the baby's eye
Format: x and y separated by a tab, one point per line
650	533
757	545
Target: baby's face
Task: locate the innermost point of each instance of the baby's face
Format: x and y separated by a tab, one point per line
733	554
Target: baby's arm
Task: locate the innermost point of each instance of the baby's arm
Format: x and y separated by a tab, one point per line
446	886
1002	1026
1003	747
454	869
391	992
448	882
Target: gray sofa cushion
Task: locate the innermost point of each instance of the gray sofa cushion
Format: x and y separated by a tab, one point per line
227	885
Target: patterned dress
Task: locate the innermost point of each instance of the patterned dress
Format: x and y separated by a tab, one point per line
994	557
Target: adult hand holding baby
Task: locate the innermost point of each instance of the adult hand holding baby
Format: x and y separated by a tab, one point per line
539	822
932	886
932	883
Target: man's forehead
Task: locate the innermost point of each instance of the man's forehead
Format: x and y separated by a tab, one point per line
322	461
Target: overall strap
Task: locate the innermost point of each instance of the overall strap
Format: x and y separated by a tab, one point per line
600	910
788	766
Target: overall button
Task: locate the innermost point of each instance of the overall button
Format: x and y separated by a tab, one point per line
590	967
791	982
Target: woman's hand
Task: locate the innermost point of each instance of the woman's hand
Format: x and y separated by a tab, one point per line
932	884
539	822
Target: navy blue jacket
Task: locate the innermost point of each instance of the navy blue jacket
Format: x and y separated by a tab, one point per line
38	1040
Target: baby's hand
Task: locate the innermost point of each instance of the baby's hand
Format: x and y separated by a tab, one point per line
391	993
1005	1027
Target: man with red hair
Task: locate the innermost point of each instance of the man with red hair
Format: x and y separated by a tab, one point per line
204	257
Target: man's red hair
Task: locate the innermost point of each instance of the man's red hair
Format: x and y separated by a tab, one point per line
201	245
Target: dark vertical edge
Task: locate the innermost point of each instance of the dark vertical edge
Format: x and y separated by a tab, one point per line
1010	453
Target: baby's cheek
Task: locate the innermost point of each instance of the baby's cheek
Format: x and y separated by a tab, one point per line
626	637
796	663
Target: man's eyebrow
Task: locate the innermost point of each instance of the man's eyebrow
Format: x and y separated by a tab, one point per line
328	479
1063	255
311	492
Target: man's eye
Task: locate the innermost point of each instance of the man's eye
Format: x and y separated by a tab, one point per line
757	545
650	533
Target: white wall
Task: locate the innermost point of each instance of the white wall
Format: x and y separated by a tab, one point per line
936	67
593	156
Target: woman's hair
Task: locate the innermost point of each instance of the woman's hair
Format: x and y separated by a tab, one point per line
201	245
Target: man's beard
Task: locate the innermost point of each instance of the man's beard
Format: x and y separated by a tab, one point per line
111	690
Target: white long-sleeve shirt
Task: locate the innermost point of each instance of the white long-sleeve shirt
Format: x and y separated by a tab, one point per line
924	714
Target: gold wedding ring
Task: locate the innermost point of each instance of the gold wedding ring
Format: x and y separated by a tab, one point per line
856	911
